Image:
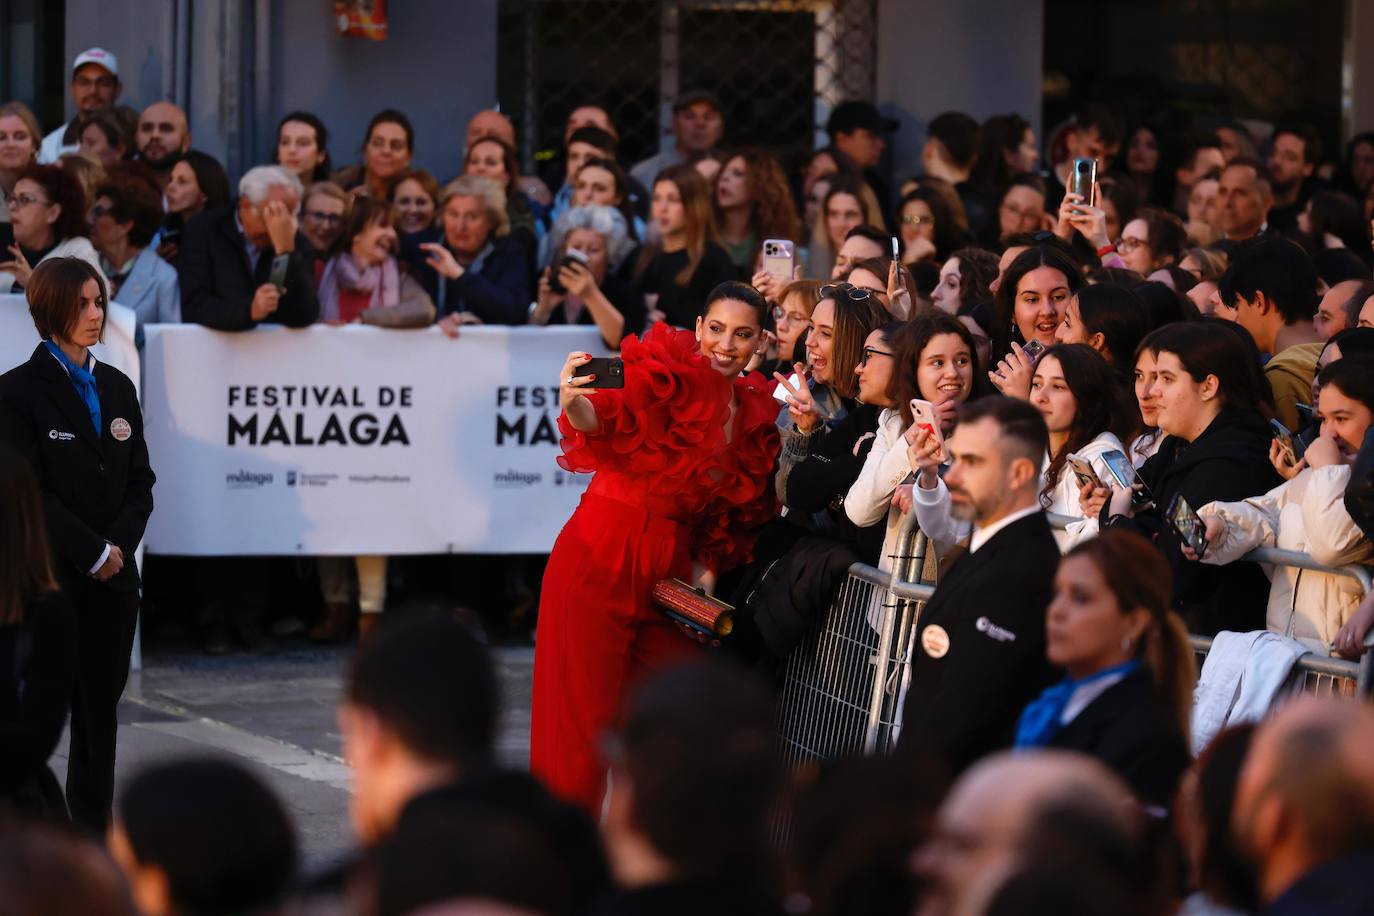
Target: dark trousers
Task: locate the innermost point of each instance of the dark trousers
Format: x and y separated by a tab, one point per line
105	621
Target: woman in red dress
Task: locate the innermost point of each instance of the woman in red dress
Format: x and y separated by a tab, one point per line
683	455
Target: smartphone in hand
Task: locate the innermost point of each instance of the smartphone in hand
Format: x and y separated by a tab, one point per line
1083	179
1189	525
1123	472
1033	349
609	372
923	415
779	259
278	276
1083	470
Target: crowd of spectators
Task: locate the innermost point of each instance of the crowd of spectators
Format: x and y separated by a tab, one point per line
1095	400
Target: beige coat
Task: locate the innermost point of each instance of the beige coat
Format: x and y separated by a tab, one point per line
1305	514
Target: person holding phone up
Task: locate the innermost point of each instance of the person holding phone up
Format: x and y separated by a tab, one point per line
1205	388
79	425
683	454
579	287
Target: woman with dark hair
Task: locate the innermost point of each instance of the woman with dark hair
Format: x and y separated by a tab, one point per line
1306	514
303	147
103	138
1030	305
927	227
1356	176
1074	390
197	183
48	216
388	147
841	321
936	361
79	425
1161	304
683	455
606	184
124	220
965	281
37	648
1152	240
1108	318
676	271
1020	209
1333	220
1128	694
1144	167
751	202
363	281
1206	386
1006	147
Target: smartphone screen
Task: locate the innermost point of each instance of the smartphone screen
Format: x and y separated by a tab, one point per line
781	394
896	251
1188	525
1120	467
278	276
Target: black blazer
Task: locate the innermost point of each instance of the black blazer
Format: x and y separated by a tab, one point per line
1359	493
1129	728
95	488
217	282
991	604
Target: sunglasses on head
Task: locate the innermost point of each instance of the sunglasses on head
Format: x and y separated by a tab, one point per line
847	290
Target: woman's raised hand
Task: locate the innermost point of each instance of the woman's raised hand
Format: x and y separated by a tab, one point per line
923	454
898	296
1013	374
1281	457
800	405
570	387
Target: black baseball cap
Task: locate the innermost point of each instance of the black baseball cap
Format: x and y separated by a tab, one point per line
855	114
692	96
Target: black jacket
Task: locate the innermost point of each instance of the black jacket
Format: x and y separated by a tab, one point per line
37	670
621	294
1338	888
1359	493
1129	728
1228	462
218	283
95	488
682	304
818	484
690	898
991	606
499	292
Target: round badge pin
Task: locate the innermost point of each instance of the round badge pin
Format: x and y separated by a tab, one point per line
120	429
935	641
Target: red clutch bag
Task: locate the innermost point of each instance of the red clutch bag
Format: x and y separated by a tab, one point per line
697	613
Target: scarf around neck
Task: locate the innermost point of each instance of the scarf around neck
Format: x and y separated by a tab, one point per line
1039	721
380	282
83	380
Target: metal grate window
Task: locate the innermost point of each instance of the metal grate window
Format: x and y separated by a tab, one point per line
778	66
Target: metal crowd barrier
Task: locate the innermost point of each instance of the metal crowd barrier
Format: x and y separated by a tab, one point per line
842	686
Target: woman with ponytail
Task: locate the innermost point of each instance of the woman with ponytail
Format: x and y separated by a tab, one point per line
1129	690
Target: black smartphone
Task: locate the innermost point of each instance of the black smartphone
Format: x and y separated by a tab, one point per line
1306	415
1189	525
1082	179
609	372
278	276
573	256
6	240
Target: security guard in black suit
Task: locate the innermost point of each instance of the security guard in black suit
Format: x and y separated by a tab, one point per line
979	656
79	424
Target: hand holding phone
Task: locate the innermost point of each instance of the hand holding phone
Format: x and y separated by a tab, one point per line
278	276
1123	473
608	372
1189	525
779	259
923	417
1083	470
1083	179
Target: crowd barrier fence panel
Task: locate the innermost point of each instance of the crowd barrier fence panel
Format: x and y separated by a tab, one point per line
842	685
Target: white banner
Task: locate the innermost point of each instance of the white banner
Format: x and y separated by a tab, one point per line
18	337
357	440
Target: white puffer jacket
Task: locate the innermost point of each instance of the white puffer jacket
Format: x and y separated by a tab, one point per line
1306	514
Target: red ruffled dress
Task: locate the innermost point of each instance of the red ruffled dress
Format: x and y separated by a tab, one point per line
668	491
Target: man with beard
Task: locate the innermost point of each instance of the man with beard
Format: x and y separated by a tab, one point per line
95	85
162	137
980	646
1293	157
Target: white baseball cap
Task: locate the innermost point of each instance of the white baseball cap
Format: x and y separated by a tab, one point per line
97	56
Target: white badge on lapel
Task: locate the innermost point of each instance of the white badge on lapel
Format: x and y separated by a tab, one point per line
120	429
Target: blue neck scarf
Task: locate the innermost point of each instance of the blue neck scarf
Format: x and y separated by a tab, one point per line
1039	721
82	380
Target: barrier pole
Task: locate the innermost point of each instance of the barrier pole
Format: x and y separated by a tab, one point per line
901	562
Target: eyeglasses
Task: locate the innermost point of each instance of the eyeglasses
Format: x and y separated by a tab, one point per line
917	220
329	219
24	200
781	314
852	293
1126	245
872	351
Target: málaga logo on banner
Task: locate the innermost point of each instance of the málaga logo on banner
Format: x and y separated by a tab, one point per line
247	480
